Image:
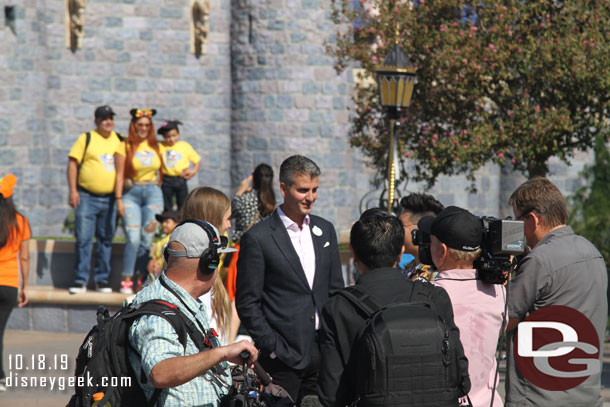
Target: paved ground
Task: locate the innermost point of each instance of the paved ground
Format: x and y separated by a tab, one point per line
50	349
47	348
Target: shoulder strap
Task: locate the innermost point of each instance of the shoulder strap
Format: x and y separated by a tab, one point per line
170	312
181	324
422	292
87	141
360	299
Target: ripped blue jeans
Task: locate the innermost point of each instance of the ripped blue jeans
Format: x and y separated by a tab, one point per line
142	203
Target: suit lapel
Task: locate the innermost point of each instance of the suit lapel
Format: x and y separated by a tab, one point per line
282	240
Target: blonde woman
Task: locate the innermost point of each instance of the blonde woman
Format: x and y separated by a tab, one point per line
213	206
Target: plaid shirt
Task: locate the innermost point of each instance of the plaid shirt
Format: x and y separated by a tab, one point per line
155	340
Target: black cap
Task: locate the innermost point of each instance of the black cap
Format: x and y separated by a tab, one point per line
455	227
168	125
104	111
167	215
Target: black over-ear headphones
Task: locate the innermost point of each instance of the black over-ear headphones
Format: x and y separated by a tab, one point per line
209	259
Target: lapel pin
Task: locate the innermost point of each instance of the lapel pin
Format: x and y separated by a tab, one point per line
326	244
316	231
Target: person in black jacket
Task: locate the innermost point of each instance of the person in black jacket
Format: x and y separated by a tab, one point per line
288	267
376	241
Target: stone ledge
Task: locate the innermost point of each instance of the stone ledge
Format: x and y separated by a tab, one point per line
52	295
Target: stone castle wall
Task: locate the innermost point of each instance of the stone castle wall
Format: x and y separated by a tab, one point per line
264	90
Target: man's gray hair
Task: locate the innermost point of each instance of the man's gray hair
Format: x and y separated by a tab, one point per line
298	164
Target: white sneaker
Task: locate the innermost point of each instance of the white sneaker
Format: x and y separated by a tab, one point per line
77	289
104	288
2	384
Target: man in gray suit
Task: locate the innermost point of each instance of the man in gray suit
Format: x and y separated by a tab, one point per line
288	267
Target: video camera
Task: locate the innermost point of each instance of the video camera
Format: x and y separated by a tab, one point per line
254	388
502	239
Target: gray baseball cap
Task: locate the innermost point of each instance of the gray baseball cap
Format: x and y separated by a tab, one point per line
196	240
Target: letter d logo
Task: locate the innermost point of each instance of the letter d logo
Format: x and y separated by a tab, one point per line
526	338
556	348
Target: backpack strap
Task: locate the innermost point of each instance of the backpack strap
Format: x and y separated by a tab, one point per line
182	325
421	292
187	321
363	301
87	141
180	322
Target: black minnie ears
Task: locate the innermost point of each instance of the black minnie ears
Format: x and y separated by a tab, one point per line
169	125
137	113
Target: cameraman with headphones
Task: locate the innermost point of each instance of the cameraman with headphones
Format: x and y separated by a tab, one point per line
185	375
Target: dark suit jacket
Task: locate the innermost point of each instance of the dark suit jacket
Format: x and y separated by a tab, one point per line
273	298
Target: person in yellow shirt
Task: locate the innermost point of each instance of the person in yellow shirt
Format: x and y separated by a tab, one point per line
138	194
177	157
91	176
168	220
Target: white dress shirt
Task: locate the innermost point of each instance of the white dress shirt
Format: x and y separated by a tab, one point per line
302	242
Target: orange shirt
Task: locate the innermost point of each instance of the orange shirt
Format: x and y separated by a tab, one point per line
9	254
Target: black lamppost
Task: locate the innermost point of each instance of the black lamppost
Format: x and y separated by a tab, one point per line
395	79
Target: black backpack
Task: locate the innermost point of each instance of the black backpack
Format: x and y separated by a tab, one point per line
404	354
102	364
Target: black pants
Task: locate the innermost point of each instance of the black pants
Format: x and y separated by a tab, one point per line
297	382
8	300
173	186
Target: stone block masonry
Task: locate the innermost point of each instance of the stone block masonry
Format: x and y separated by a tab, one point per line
264	90
134	54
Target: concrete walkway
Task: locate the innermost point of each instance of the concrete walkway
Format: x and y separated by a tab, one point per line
48	347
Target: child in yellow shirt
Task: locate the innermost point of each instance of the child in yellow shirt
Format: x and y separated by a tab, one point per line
168	221
177	157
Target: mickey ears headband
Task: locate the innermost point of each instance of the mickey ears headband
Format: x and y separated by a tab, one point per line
168	125
137	113
6	185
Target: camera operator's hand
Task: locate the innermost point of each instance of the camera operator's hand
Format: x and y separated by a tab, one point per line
234	350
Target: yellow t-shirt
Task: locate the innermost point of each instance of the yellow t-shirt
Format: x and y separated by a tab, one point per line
178	157
97	172
157	252
146	162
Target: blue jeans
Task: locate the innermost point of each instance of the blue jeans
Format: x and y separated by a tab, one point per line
142	203
94	216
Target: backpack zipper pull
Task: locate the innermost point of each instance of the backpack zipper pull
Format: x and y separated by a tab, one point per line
445	349
89	347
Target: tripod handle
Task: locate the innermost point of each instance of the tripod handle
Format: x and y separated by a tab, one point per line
258	369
